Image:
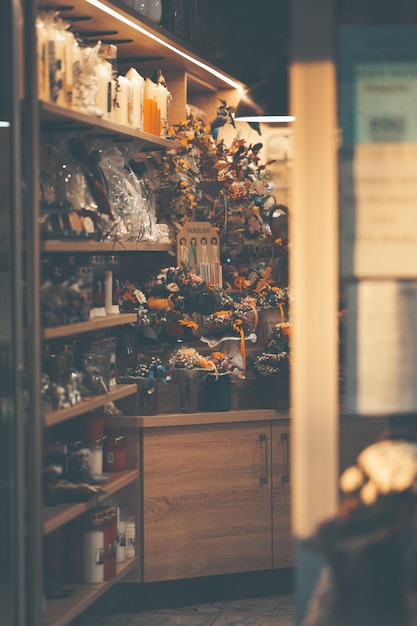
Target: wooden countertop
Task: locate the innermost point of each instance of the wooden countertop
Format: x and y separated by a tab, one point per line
192	419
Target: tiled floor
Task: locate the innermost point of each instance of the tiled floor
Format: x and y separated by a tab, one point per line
271	611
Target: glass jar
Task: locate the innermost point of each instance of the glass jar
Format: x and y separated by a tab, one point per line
115	454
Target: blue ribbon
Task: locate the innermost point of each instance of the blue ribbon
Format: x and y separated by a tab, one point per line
156	371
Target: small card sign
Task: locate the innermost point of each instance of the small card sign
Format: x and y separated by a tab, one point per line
198	248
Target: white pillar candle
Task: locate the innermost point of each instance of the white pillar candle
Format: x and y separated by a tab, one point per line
121	100
104	100
93	556
130	538
136	98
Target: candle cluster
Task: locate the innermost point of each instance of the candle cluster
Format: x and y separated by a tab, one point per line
84	77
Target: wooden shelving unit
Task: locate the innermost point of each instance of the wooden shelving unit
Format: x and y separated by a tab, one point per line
186	74
86	245
63	611
55	118
94	402
57	516
97	323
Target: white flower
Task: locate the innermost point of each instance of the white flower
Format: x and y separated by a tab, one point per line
369	493
140	296
390	465
351	479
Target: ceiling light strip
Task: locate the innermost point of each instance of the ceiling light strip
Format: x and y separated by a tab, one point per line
118	16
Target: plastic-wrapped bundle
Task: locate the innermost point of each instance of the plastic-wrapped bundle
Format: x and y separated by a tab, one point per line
130	202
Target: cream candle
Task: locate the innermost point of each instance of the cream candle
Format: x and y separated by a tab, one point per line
136	98
121	100
104	90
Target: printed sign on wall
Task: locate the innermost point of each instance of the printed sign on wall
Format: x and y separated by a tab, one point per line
198	248
378	157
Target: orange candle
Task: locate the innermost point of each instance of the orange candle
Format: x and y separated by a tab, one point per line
147	115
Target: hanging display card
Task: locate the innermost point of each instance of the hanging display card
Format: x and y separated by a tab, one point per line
198	248
378	156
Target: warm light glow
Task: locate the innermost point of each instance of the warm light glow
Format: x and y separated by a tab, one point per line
268	119
4	124
118	16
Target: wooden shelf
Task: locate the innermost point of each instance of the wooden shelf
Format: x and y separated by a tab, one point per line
96	323
63	611
56	516
86	245
94	402
189	419
55	118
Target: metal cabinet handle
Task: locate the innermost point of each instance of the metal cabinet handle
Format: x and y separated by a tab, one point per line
285	439
264	479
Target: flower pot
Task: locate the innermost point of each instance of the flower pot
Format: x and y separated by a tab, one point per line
217	393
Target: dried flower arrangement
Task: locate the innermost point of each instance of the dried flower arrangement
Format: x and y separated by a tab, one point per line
276	354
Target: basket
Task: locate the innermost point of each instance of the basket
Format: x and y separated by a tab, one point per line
274	390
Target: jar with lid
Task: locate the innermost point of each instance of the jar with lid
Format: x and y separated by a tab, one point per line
115	454
96	456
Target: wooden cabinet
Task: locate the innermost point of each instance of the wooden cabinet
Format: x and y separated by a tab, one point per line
211	501
207	500
282	551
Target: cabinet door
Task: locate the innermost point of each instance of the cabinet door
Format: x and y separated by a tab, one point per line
282	550
207	500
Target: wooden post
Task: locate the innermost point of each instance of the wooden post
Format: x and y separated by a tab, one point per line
314	283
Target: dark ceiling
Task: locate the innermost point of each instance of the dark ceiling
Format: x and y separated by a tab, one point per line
247	38
251	39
